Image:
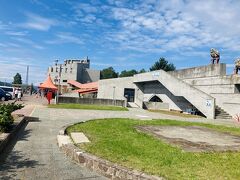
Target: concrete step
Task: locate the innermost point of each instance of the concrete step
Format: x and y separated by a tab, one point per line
132	105
221	114
220	117
225	115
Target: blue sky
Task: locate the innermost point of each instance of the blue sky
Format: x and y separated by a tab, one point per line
125	34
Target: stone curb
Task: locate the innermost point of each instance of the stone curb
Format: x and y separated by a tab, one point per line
5	138
104	167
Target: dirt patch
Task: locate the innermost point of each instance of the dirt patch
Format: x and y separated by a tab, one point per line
194	138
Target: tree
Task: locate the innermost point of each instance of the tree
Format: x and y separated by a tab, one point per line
142	71
108	73
163	64
17	79
128	73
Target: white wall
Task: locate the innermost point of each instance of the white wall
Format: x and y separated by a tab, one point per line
114	88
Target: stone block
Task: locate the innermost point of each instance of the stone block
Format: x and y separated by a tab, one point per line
79	137
62	140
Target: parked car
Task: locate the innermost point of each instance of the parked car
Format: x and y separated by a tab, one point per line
4	96
9	96
8	89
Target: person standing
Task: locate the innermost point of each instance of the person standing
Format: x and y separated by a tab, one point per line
16	93
49	96
237	65
215	55
19	95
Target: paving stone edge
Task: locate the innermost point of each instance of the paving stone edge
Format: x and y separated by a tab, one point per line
5	138
102	166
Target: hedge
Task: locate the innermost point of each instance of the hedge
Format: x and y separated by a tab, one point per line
6	119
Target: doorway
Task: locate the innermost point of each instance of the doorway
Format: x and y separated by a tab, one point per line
129	94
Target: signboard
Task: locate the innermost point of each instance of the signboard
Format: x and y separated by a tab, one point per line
208	103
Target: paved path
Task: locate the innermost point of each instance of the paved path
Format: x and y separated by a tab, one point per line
36	154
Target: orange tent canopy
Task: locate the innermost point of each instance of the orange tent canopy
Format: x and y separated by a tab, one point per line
48	84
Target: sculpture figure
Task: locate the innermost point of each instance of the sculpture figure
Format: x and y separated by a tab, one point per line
215	55
237	65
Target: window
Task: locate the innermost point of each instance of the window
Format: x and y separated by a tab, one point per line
51	69
64	80
65	70
56	69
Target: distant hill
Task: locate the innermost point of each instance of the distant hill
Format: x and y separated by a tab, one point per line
5	84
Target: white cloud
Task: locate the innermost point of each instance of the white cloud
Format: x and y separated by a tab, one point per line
12	65
3	26
230	65
65	37
171	25
16	33
29	42
37	22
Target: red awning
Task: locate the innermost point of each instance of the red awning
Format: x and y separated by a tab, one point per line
74	83
86	91
48	84
91	85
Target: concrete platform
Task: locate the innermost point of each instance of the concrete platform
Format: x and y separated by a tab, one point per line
194	138
79	137
62	140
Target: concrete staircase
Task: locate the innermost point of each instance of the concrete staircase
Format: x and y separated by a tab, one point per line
202	101
221	114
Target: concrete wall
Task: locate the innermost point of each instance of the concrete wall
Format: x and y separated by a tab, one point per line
90	75
77	70
156	105
70	70
231	108
81	68
220	84
114	88
139	94
75	100
153	88
179	88
216	88
229	102
202	101
201	71
218	80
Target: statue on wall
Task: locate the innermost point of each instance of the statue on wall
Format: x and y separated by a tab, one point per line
237	65
215	56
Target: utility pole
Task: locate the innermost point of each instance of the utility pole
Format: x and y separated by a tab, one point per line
58	79
27	75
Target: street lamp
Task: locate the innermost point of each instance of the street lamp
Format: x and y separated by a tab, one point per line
114	94
58	79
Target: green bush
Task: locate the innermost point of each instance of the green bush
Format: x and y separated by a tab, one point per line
6	119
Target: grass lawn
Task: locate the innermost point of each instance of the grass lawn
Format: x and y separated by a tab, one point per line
88	106
176	113
118	141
